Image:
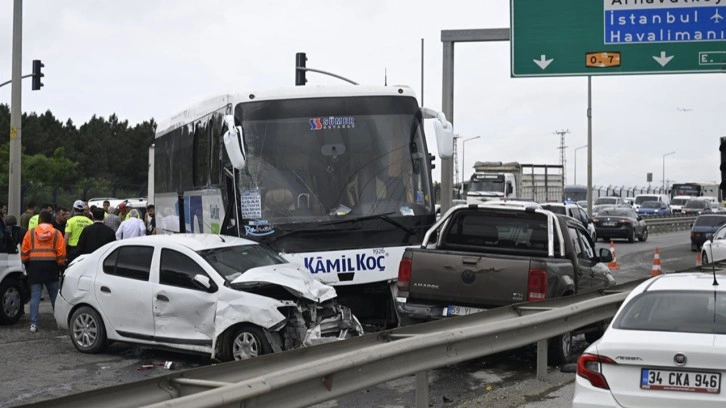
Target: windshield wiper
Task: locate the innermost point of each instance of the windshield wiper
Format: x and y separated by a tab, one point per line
384	217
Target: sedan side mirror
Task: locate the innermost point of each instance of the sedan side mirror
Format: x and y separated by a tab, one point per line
204	283
709	237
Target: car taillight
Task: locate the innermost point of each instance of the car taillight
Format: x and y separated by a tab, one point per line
536	285
589	367
624	222
404	274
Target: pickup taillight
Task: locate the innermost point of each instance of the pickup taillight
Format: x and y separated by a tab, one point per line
404	274
536	286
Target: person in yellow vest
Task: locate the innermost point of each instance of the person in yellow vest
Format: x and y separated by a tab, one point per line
74	226
33	222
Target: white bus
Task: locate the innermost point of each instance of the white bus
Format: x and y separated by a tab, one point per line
337	179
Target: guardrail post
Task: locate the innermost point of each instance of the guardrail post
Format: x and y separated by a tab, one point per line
422	389
542	360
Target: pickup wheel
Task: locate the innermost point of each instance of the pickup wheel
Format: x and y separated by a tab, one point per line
11	301
559	349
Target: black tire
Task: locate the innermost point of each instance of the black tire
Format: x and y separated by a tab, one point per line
559	349
644	236
11	301
243	342
694	247
87	331
631	238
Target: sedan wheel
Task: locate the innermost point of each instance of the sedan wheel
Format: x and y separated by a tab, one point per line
248	342
11	301
631	238
87	331
644	236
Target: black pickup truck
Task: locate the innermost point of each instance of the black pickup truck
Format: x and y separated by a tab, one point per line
481	257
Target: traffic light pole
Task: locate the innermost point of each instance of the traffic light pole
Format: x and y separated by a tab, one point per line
15	112
11	81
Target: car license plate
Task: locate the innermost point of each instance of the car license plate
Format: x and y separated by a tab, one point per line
609	224
688	381
453	310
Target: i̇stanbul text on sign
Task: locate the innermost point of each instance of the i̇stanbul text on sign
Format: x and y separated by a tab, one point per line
664	21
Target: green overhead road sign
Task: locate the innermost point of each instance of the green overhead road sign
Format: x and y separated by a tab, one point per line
617	37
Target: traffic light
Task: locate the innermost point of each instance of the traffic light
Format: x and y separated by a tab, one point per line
37	74
300	60
722	149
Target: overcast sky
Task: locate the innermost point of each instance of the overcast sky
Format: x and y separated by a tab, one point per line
152	59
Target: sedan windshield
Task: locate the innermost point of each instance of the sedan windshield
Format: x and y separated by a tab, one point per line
675	311
231	262
606	200
697	204
650	204
710	220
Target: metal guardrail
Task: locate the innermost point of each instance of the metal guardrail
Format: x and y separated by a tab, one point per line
307	376
669	223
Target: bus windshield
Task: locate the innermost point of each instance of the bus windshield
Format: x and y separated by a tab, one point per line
321	159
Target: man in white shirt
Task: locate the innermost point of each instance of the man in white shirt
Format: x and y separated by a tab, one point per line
132	227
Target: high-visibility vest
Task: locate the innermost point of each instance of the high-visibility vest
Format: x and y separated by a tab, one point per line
34	249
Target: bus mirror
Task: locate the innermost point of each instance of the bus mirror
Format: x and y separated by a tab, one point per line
444	132
233	143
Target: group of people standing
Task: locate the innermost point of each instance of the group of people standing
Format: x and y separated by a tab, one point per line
51	238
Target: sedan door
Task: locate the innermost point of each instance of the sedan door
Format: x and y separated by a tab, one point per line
184	311
123	291
718	246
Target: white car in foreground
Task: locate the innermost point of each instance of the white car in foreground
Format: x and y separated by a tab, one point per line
228	297
666	347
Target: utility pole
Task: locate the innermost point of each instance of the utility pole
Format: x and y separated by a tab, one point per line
563	152
16	112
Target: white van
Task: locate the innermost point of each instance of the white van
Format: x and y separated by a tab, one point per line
641	198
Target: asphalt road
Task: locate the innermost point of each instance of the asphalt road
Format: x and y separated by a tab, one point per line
45	365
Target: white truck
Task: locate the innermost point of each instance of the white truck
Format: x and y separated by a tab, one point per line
497	180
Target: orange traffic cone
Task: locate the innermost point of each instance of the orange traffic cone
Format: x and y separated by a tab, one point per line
614	263
656	264
699	263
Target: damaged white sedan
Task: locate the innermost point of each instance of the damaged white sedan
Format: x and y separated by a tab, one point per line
227	297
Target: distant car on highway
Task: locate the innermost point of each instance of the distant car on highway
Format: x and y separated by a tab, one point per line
705	225
576	212
664	348
696	206
227	297
620	222
678	202
654	208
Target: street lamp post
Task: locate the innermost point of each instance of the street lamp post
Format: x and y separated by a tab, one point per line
664	180
576	149
463	159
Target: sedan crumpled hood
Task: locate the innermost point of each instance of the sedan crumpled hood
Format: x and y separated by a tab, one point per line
296	280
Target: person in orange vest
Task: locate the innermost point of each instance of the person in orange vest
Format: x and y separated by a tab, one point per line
44	255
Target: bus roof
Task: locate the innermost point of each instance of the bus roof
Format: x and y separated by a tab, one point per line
210	105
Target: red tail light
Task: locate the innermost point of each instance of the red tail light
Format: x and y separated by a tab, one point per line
404	274
589	367
537	285
625	222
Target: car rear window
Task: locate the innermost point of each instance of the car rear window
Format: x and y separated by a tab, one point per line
521	230
615	213
557	209
675	311
231	262
710	220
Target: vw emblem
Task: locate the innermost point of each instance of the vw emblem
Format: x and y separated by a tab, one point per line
468	276
680	359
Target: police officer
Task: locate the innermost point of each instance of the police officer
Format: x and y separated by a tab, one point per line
74	226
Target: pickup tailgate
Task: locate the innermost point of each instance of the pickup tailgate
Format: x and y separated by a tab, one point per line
466	278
